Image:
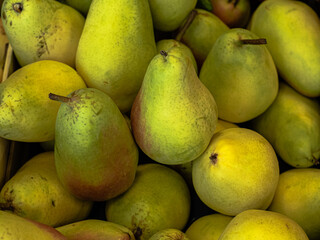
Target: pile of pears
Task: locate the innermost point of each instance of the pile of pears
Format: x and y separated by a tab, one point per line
158	120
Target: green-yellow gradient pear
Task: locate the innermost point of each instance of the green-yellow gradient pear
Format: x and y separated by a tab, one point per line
115	48
95	153
36	193
292	29
26	112
174	115
42	29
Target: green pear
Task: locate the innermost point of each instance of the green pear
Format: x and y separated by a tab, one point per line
116	47
167	15
292	125
95	153
158	199
13	227
169	234
90	229
56	30
171	90
80	5
35	192
261	225
208	227
238	171
298	197
241	75
26	112
202	33
297	56
167	44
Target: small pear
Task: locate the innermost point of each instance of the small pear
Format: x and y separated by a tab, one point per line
241	75
35	192
56	30
169	234
91	229
171	90
95	153
26	112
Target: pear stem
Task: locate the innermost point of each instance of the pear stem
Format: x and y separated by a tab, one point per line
59	98
17	7
185	26
258	41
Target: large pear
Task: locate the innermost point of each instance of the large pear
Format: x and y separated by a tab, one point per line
174	115
116	47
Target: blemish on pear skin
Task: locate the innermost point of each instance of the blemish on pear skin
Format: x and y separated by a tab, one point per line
214	158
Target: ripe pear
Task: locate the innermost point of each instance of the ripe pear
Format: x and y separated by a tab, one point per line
13	227
297	56
56	30
158	199
90	229
292	125
95	153
202	33
298	197
238	171
116	47
174	115
208	227
4	42
241	75
35	192
169	234
167	15
261	225
26	112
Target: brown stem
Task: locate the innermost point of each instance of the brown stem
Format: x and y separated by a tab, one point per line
258	41
59	98
185	26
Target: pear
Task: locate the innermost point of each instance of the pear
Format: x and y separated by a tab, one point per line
116	47
167	15
80	5
279	22
4	42
35	192
56	30
238	171
208	227
303	207
26	113
169	234
13	227
171	90
202	33
95	153
292	125
158	199
261	225
241	75
90	229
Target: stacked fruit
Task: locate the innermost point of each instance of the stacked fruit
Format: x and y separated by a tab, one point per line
171	119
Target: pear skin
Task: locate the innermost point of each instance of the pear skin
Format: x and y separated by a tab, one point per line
26	112
95	153
13	227
169	234
35	192
115	48
56	30
171	90
297	56
292	125
95	229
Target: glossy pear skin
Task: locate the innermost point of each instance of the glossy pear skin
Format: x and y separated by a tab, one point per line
35	192
56	30
297	56
26	112
171	90
95	153
116	47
